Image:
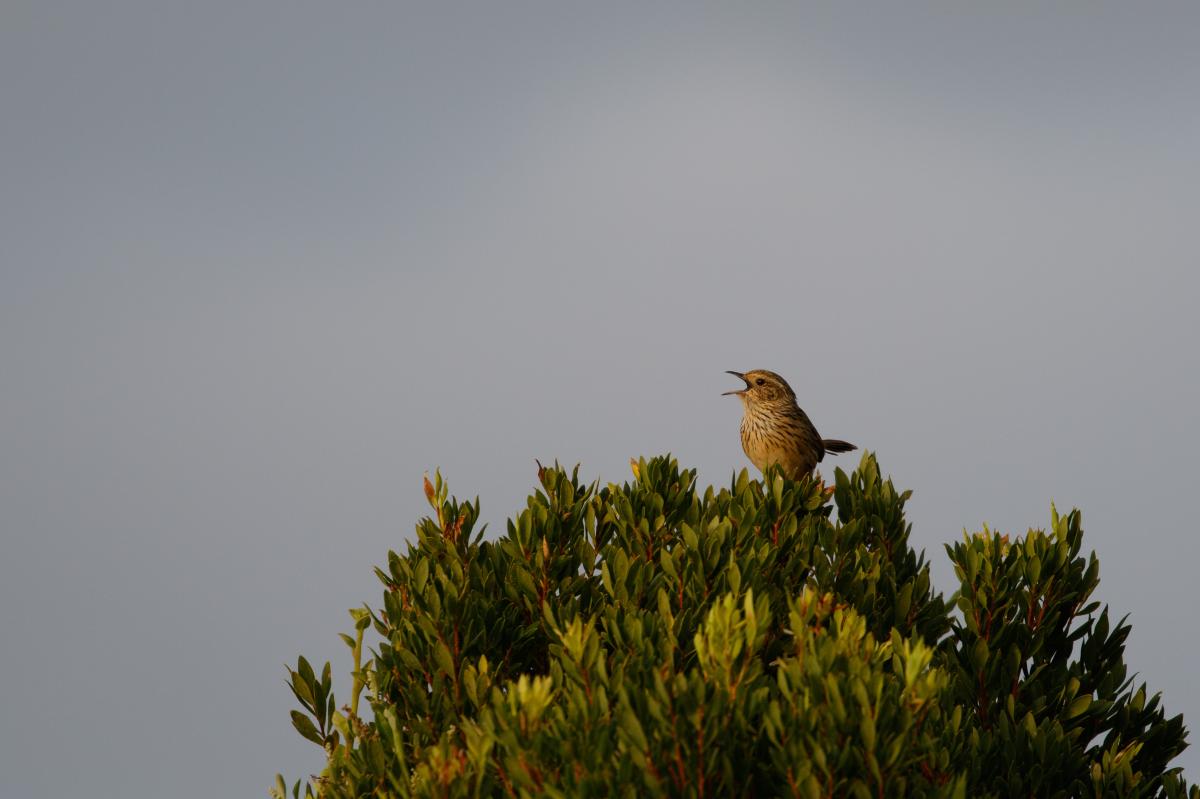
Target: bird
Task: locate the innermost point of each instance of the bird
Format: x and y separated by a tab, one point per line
775	430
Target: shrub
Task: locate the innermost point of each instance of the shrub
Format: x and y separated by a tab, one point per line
649	639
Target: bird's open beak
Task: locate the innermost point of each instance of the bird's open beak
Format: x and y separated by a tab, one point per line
739	392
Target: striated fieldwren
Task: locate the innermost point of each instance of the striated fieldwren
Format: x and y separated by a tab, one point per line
775	430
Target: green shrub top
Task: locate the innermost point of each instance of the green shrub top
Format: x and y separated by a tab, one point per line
651	639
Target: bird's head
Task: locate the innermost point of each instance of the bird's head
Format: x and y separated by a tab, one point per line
763	387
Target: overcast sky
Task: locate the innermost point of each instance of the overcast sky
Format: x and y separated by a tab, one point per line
262	264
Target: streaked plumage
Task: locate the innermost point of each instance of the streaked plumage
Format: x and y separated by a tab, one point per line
776	430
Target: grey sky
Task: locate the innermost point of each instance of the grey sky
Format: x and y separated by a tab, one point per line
262	264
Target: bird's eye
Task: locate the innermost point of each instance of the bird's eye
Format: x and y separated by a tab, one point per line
760	381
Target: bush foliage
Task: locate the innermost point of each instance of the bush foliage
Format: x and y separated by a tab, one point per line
651	639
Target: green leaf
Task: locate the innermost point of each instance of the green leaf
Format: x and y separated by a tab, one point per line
1080	704
668	565
420	575
304	725
633	728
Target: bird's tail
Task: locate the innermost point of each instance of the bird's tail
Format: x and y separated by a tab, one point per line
836	445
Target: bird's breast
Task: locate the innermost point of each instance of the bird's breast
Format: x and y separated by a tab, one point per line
772	437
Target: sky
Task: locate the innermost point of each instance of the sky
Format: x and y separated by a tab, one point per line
263	264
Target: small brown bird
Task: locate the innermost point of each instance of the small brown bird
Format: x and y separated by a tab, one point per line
775	430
